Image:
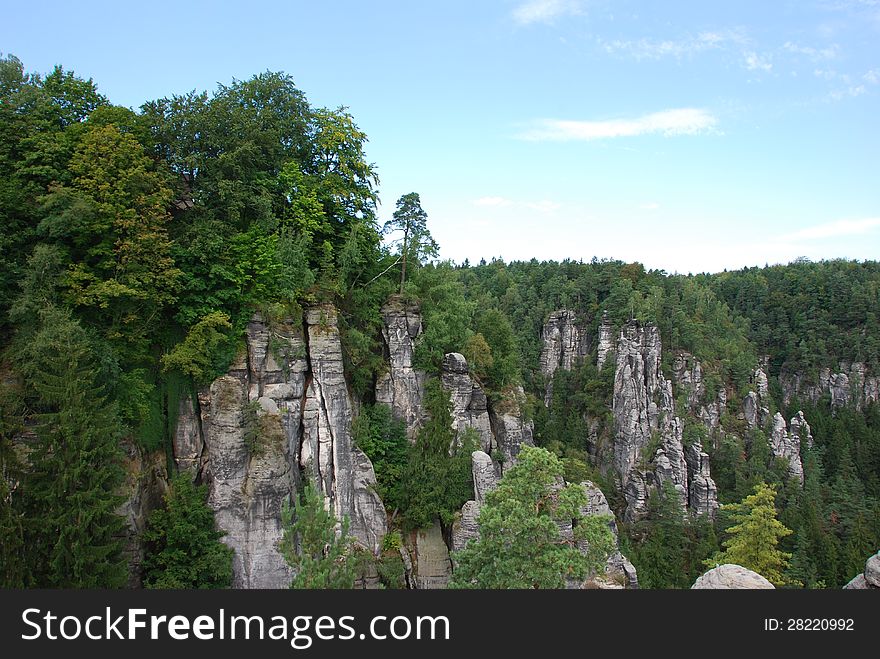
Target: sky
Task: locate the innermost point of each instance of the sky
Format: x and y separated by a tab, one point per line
691	136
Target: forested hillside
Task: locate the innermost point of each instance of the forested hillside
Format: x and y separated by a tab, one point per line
201	291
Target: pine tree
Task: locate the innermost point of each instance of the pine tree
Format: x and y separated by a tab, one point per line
321	557
183	548
754	539
76	472
12	564
520	544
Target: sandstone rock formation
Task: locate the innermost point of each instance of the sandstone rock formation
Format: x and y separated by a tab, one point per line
787	446
564	342
470	409
870	578
648	438
402	387
509	427
282	412
852	385
606	340
731	577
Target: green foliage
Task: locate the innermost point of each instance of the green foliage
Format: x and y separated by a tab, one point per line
384	441
446	315
437	480
183	549
416	242
320	557
13	566
193	356
520	544
667	547
753	540
503	369
75	467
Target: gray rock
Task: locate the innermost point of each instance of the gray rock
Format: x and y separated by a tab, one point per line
564	341
402	387
731	577
800	430
858	583
465	527
761	385
470	408
872	570
751	410
509	427
606	340
852	385
703	493
687	374
787	446
433	566
187	443
485	475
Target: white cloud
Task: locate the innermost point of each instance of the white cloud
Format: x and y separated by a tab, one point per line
836	229
678	48
545	11
682	121
756	62
872	77
815	54
491	202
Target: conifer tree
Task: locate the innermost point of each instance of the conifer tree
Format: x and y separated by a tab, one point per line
76	472
321	557
183	545
754	539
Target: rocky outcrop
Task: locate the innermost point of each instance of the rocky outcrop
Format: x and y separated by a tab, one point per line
800	430
432	565
787	446
564	342
852	385
619	572
703	493
870	578
606	340
470	408
282	412
509	426
485	475
402	387
146	482
687	375
731	577
648	447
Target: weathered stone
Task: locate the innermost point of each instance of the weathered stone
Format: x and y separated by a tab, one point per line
786	446
402	387
145	484
432	565
858	583
751	409
872	570
852	385
509	427
606	340
465	527
703	494
761	384
188	444
687	374
469	405
800	430
485	475
564	342
731	577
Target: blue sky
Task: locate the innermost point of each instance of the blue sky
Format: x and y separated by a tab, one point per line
690	136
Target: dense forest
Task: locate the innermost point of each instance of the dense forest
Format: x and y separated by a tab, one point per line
137	245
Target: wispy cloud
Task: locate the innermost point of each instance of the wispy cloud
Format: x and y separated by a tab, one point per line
491	202
756	62
678	48
836	229
543	206
815	54
545	11
682	121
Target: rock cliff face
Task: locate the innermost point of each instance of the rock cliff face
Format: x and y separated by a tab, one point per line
281	413
402	387
510	428
648	437
787	445
564	342
470	409
852	386
606	340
